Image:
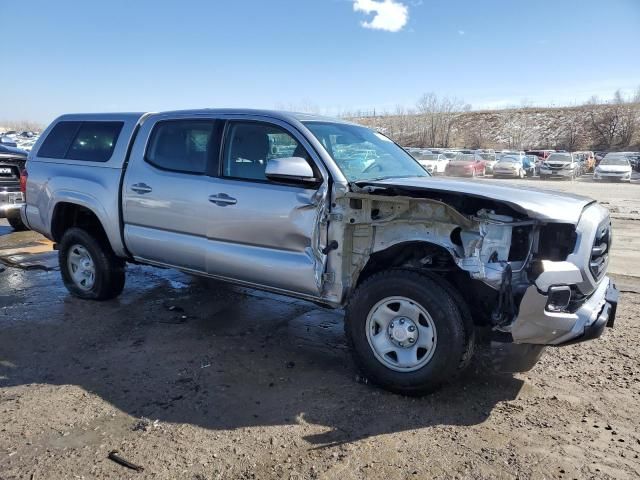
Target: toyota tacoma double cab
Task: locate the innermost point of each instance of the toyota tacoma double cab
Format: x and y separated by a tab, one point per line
331	212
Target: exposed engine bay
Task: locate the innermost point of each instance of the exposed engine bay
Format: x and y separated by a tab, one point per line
487	248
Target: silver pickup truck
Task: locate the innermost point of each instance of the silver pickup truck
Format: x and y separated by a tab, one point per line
331	212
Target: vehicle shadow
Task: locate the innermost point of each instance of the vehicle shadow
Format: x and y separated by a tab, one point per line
184	350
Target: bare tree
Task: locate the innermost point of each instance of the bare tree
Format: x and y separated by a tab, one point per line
614	124
436	118
604	122
572	128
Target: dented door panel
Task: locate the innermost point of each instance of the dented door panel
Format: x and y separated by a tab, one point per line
271	236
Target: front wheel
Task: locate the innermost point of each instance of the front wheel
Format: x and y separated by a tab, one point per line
88	266
409	331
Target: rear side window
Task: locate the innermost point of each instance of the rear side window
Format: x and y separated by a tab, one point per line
86	141
95	141
187	146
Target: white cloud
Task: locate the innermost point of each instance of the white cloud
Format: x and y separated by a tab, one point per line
460	32
388	15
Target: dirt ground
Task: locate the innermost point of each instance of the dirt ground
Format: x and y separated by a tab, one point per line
194	379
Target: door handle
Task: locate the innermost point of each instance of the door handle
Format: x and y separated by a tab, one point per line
222	200
141	188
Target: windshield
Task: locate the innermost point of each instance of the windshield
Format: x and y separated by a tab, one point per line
429	157
465	158
362	154
559	157
488	156
509	160
614	161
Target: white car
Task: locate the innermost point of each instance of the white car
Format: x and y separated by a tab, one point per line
559	165
433	163
613	167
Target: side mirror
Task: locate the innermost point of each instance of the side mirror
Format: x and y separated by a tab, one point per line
290	169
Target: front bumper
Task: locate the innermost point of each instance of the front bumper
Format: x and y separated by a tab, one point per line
537	325
10	201
459	172
505	173
612	176
559	173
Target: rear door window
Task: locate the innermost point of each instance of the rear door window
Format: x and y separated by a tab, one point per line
187	146
86	141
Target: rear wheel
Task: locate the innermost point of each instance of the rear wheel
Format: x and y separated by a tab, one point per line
88	266
407	332
15	221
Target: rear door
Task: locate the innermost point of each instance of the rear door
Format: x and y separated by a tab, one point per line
166	208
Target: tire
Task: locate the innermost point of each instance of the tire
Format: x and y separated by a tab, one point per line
447	315
16	222
108	277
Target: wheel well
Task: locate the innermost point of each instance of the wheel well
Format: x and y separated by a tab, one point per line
434	258
68	215
410	255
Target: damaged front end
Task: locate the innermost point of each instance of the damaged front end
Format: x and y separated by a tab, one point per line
522	274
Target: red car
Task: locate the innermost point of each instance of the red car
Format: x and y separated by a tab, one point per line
466	165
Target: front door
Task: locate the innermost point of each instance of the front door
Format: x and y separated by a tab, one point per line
262	232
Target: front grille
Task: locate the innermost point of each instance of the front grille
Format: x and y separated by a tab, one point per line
557	167
600	251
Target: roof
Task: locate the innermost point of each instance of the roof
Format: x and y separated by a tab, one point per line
277	114
135	116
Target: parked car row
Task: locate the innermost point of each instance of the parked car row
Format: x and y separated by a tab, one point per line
545	164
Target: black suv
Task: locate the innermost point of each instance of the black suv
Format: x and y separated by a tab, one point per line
12	162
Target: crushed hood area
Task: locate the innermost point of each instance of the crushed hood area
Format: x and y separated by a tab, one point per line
544	205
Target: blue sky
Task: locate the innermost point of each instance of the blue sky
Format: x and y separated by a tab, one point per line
335	55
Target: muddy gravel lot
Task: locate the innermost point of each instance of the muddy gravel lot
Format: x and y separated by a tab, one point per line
195	379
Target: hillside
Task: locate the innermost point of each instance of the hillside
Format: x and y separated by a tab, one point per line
611	126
